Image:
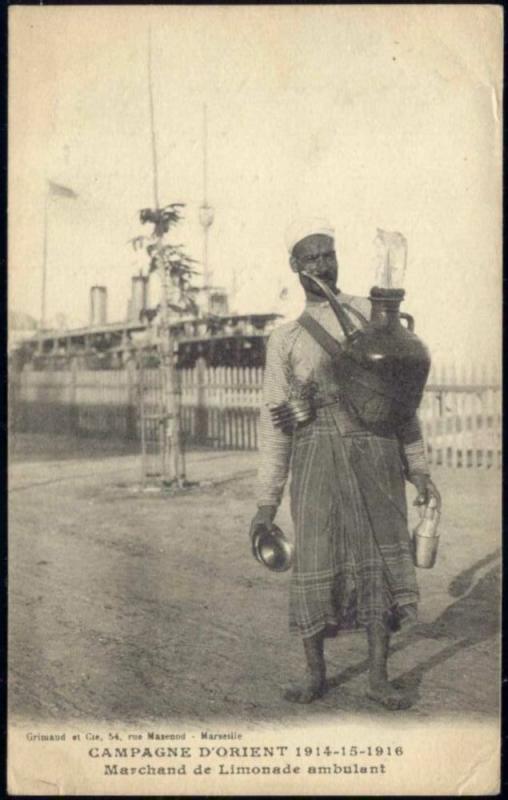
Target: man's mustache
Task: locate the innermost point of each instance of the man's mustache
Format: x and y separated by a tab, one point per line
314	280
321	275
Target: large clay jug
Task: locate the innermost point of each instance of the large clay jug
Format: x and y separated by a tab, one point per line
383	366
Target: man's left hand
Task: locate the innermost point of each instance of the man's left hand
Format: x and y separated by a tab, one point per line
263	518
426	489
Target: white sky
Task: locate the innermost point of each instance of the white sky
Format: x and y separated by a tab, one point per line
373	116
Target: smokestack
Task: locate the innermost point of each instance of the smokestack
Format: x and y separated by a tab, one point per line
138	300
98	306
218	302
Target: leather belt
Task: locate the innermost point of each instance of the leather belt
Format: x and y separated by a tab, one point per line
349	424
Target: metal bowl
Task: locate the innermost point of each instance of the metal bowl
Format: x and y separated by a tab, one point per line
271	548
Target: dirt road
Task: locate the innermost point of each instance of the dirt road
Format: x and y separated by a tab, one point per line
129	606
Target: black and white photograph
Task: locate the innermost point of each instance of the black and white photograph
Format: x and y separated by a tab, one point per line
254	399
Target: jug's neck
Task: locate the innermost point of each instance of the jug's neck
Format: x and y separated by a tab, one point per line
385	307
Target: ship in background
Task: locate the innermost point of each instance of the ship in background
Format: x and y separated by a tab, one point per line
212	333
105	379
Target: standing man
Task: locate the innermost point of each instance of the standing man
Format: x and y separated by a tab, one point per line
353	567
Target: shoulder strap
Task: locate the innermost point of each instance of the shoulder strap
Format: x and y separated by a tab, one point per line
320	335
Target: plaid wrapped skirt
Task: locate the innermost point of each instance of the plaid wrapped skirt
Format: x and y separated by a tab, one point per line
353	564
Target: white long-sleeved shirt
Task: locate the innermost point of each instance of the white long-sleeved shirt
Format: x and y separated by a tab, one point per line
296	363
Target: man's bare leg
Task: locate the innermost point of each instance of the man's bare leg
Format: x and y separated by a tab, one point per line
379	687
314	685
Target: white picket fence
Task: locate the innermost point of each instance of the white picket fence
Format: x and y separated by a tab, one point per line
461	416
460	412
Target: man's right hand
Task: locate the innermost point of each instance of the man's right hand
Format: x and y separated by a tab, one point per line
264	518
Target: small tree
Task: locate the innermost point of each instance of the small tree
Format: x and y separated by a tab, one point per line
175	269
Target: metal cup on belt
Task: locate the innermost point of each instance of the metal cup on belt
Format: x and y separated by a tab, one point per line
292	414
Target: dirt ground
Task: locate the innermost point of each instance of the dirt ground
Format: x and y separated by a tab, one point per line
133	606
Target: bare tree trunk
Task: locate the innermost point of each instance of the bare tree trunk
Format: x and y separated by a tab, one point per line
171	394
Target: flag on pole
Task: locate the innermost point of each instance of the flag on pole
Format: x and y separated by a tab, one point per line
57	190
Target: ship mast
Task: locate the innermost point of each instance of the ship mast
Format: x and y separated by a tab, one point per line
206	214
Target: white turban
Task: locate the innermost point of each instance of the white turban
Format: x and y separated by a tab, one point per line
301	228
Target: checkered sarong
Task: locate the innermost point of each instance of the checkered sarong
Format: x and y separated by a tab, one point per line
352	552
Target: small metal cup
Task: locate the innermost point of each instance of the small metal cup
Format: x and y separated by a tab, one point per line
271	548
426	538
292	414
425	550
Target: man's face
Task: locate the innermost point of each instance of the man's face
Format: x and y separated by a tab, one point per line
316	255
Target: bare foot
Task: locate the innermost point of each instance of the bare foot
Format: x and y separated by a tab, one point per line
305	692
387	696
